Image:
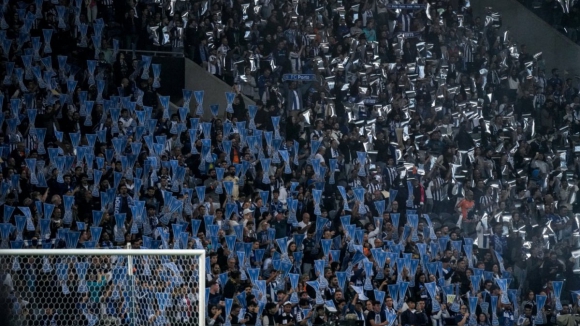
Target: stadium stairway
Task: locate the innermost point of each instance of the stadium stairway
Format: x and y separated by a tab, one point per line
178	73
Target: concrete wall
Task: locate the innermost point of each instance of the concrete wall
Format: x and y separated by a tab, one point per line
172	80
196	78
527	28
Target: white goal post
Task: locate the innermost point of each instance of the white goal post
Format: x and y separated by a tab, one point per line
96	287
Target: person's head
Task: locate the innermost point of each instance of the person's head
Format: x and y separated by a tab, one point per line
280	294
235	275
421	304
482	318
411	303
271	308
488	284
565	310
377	306
123	189
214	286
253	307
216	269
528	310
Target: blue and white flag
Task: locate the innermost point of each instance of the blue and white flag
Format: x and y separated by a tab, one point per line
499	261
314	145
333	165
199	100
47	33
326	244
187	94
368	269
60	11
91	67
19	73
9	72
72	239
31	165
156	75
252	111
228	310
494	319
341	276
317	197
413	220
81	271
557	286
410	197
344	197
96	232
230	100
294	278
362	158
164	100
28	215
214	109
62	275
432	290
319	266
4	25
100	90
68	204
472	310
403	286
120	224
380	257
395	220
27	62
394	292
314	284
276	143
296	151
242	264
265	163
146	64
502	284
195	227
380	296
89	109
359	194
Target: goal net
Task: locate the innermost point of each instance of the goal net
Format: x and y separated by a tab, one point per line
103	287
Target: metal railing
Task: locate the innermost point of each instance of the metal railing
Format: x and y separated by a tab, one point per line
156	53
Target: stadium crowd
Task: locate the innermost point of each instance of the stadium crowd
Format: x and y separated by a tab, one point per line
425	175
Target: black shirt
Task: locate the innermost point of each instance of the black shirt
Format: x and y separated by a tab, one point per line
373	315
230	289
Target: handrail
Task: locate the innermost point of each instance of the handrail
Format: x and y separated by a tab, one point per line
165	53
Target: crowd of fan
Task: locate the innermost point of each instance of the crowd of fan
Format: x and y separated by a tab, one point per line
423	132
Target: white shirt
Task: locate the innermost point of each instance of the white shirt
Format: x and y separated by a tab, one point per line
319	156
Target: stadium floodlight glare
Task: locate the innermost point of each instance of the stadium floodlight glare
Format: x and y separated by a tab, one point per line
103	286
